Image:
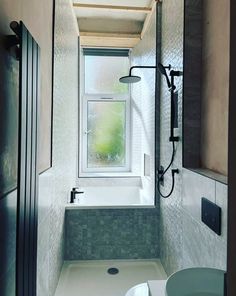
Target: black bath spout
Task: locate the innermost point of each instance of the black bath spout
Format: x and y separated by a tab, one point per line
73	193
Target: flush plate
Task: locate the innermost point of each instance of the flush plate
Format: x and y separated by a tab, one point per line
211	215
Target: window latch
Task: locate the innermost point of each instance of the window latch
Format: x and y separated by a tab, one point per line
87	132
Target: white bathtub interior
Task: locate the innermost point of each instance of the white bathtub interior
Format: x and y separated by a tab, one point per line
90	278
105	192
111	196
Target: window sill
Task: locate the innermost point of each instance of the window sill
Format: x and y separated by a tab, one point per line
110	181
108	175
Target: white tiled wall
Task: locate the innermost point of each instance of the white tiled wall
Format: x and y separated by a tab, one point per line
184	240
201	246
143	107
196	186
56	183
88	182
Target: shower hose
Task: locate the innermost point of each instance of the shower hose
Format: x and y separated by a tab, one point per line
164	172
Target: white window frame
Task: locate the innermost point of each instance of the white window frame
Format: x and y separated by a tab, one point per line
84	99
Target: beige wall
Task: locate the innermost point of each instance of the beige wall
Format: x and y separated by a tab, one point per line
37	16
215	85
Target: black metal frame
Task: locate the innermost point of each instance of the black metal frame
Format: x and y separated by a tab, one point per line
231	259
140	67
52	92
157	98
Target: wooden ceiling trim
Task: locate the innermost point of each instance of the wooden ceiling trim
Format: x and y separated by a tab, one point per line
148	18
114	7
117	40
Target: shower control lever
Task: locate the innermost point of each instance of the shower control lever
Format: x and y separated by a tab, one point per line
176	73
73	193
174	139
175	171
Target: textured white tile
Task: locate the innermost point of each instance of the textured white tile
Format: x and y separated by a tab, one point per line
201	246
43	241
184	240
8	231
196	186
45	195
43	278
222	201
143	108
56	183
88	182
171	213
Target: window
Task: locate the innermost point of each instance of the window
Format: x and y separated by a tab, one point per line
105	112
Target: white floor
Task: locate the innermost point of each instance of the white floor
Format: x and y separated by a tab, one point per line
90	278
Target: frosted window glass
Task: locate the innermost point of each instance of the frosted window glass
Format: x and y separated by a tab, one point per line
102	74
106	134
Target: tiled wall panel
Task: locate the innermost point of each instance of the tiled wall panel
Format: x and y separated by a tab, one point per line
184	240
111	234
201	246
143	106
8	209
56	183
37	16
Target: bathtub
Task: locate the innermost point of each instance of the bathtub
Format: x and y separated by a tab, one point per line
110	197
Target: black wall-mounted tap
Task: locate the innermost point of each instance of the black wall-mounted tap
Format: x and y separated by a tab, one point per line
73	193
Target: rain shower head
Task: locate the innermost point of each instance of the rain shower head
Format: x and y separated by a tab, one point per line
162	70
130	79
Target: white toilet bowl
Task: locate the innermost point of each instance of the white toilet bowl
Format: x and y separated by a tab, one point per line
138	290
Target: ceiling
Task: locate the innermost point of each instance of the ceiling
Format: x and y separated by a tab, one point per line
113	23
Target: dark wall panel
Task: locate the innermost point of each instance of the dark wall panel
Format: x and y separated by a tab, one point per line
9	97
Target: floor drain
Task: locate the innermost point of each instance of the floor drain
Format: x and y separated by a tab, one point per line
113	270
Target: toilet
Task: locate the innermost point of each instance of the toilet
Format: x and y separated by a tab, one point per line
138	290
150	288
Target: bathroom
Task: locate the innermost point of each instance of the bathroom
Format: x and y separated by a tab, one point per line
150	237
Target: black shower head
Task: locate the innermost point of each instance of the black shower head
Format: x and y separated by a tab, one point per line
162	70
130	79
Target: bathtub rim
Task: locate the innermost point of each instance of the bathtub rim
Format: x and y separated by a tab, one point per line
109	261
132	204
74	206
